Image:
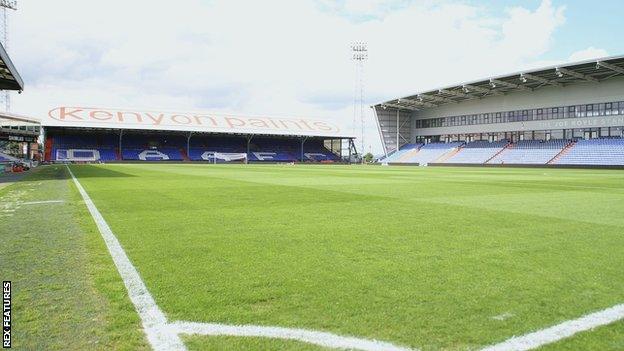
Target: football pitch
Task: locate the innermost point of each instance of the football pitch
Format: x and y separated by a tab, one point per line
423	258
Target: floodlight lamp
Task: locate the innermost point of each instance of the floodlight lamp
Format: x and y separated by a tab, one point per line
493	85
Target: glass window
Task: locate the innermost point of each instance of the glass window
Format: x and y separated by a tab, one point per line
608	107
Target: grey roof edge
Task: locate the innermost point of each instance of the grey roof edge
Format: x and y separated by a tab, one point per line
18	117
11	67
509	75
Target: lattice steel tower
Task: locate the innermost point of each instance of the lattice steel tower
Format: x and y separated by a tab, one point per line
6	5
359	52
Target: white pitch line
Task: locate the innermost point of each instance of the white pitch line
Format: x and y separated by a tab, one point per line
309	336
164	336
560	331
159	335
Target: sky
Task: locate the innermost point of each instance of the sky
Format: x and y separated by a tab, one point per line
287	58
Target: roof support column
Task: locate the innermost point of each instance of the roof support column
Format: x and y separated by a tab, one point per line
397	131
249	137
350	145
188	146
120	139
303	140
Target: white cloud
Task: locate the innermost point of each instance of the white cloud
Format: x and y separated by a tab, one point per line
262	57
588	54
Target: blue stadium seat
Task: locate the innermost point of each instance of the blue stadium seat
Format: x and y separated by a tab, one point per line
477	152
530	152
595	152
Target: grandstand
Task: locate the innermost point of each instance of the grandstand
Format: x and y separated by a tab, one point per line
566	115
75	134
15	128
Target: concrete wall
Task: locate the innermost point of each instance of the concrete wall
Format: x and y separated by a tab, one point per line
552	124
387	119
582	93
579	94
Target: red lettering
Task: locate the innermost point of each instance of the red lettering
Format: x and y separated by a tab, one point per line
157	119
105	115
120	116
305	123
176	118
323	126
286	122
64	113
256	122
199	122
230	122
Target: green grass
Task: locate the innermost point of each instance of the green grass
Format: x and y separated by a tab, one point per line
420	257
67	294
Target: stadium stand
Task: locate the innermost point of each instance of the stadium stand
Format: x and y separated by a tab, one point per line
598	152
477	152
82	147
6	158
542	111
422	154
103	147
403	152
595	152
530	152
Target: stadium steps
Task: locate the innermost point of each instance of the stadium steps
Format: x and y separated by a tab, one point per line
8	157
507	147
49	143
563	151
408	155
184	155
448	155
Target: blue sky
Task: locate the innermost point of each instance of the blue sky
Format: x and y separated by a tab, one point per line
287	57
588	24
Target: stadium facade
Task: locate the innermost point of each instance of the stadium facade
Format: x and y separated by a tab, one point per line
87	134
568	114
15	128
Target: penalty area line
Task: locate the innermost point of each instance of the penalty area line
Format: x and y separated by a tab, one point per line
163	335
308	336
560	331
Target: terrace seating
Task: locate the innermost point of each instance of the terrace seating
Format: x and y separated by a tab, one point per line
477	152
595	152
530	152
262	149
153	154
83	154
6	158
397	156
430	153
163	147
83	147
